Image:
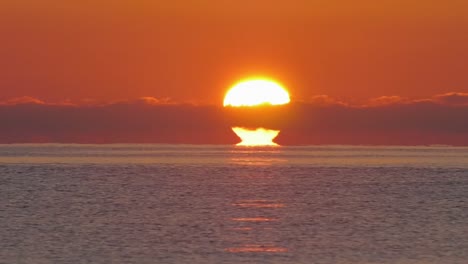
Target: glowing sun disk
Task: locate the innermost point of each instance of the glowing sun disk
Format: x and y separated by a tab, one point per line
257	137
256	92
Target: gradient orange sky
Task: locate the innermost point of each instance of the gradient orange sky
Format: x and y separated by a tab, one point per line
191	51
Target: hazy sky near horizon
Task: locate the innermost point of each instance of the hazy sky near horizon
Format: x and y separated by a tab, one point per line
192	51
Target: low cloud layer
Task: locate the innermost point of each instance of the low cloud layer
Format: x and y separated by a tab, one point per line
452	98
389	120
22	100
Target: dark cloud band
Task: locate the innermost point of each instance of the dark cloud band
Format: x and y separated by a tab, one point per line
438	120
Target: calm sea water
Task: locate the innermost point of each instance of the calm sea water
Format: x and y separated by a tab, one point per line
225	204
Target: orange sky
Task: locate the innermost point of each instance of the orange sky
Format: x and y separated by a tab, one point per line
191	51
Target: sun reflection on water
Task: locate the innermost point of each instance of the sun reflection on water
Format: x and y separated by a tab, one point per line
256	156
255	227
256	248
253	219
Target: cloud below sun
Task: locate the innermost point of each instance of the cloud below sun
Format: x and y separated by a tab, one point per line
386	120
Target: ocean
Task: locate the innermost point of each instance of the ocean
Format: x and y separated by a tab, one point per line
226	204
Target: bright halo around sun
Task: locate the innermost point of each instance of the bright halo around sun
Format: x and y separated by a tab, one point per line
254	92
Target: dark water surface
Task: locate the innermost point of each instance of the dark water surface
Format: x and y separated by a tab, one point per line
205	204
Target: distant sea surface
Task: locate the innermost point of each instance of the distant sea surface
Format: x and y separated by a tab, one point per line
226	204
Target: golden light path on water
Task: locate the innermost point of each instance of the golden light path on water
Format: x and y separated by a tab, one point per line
254	225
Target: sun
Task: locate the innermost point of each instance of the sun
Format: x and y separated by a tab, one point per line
256	137
252	92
